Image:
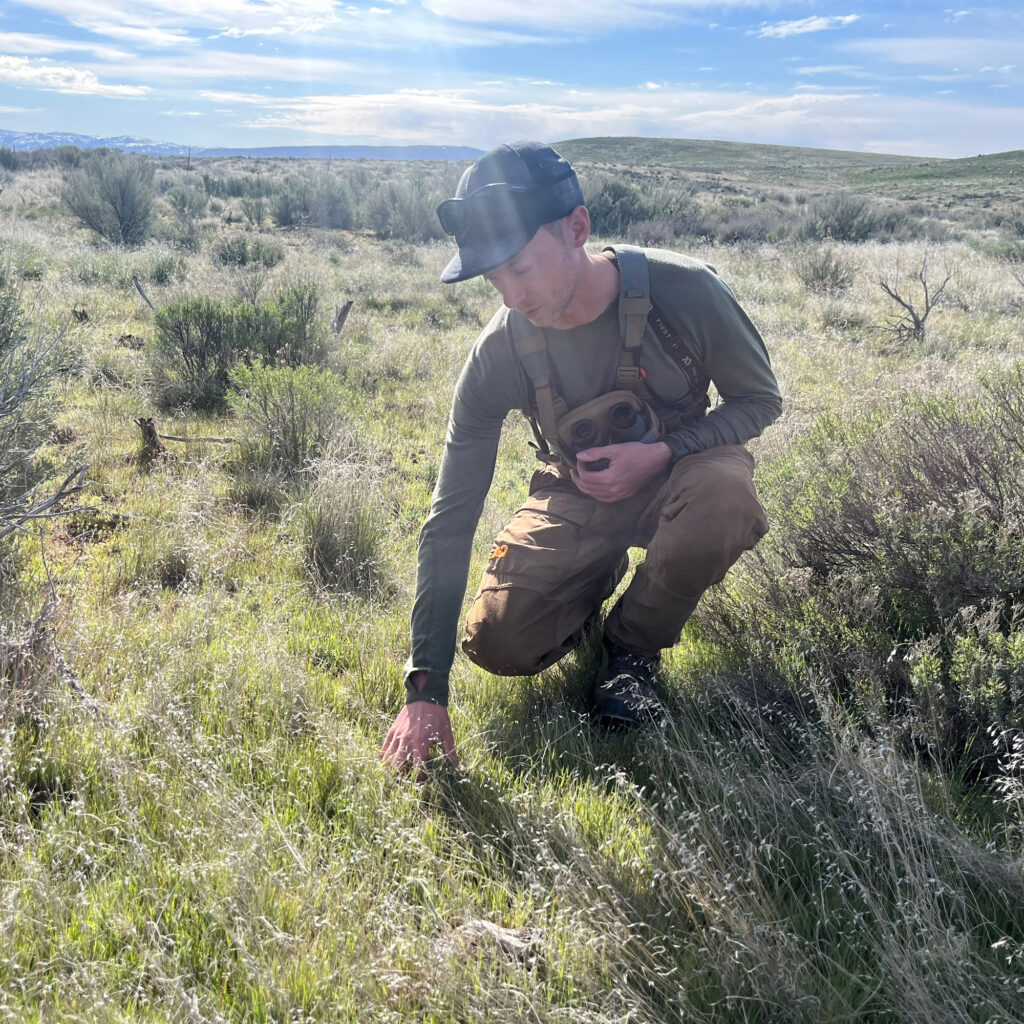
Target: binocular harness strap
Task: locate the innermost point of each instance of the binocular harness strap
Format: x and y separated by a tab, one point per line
634	307
532	350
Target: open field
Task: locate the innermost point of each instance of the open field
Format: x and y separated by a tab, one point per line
193	823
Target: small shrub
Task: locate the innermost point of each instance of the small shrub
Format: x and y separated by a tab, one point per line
322	201
166	269
893	578
297	334
824	272
113	195
615	205
241	251
291	414
255	210
198	340
27	369
194	341
187	203
403	210
845	218
345	535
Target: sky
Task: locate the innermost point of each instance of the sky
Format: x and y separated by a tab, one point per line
904	76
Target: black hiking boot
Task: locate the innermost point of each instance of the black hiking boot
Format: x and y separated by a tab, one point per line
626	689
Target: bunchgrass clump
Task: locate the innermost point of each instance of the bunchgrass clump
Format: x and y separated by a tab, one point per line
825	272
242	251
346	535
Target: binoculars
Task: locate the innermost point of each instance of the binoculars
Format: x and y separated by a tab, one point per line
625	423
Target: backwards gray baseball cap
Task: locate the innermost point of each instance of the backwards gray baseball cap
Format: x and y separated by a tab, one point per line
500	203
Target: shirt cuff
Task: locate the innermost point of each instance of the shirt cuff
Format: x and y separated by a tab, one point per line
677	446
434	689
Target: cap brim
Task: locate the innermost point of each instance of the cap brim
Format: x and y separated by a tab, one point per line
476	259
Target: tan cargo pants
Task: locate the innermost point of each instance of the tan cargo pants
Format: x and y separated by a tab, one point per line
563	553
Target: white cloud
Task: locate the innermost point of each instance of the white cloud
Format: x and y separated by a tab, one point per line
246	17
222	65
579	17
145	35
182	113
24	44
44	74
16	110
826	69
849	119
782	29
941	50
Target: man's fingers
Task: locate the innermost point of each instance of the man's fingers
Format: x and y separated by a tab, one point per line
448	747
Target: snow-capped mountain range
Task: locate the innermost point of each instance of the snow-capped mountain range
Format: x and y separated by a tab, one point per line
129	144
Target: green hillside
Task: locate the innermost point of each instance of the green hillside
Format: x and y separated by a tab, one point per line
960	187
780	165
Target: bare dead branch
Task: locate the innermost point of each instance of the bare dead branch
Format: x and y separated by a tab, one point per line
15	514
910	324
340	316
152	437
138	288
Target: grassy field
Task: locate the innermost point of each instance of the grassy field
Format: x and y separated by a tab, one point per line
193	823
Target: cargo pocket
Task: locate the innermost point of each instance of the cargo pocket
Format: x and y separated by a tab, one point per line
543	544
547	574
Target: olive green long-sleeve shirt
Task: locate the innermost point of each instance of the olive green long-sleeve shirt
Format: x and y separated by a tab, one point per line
584	361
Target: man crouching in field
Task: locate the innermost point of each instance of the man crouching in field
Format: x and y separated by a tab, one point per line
611	356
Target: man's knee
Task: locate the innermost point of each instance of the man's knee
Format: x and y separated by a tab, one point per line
733	515
718	505
511	631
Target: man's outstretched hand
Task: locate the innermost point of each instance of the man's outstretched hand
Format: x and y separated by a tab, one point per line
416	729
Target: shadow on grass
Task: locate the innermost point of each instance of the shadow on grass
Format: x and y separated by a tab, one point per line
543	726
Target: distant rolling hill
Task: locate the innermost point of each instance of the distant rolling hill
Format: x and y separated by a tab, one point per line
783	165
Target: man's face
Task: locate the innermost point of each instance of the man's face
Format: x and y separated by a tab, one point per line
540	280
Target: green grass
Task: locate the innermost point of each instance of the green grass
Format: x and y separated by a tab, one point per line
209	836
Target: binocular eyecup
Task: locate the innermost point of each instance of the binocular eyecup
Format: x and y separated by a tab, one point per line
625	424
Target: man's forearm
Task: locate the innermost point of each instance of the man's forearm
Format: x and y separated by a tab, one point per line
735	421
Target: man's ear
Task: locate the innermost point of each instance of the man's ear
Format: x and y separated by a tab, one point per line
577	227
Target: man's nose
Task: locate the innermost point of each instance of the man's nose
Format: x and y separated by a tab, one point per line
511	293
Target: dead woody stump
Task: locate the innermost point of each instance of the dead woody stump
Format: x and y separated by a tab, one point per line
152	447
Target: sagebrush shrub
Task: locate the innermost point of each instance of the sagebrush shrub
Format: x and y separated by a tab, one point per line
615	205
242	251
27	370
112	193
321	200
893	576
290	414
824	272
197	341
846	218
194	343
166	268
297	333
403	210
